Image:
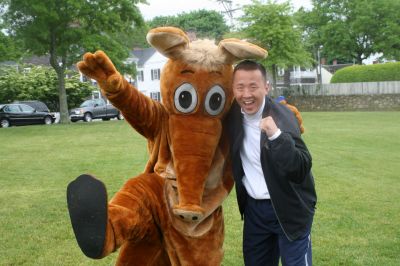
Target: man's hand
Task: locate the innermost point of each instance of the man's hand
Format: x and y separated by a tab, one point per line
99	67
268	125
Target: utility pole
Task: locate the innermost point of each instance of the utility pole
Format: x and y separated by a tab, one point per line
319	69
227	5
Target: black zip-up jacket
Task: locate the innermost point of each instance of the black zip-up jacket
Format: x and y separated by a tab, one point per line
286	164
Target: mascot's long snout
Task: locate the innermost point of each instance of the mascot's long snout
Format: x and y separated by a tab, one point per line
196	140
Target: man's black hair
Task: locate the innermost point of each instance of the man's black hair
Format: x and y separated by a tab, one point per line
250	65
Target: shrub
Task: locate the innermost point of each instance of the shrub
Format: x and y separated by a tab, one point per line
40	83
368	73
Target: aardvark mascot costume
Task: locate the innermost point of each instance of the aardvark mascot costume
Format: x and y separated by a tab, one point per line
171	214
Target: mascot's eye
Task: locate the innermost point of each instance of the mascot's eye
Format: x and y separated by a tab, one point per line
185	98
215	100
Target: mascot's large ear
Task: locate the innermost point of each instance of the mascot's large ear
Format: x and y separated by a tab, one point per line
237	50
169	41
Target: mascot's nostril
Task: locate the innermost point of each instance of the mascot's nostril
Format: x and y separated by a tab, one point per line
188	215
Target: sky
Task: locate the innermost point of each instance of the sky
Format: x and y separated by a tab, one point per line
174	7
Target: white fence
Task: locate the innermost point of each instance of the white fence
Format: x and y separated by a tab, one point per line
361	88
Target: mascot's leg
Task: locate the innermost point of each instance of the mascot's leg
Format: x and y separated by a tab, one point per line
127	222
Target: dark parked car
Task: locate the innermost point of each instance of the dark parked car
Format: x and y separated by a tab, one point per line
92	109
37	105
16	114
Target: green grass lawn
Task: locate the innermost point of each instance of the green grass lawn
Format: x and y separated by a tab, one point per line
356	164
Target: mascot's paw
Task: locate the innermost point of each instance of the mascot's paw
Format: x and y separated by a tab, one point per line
87	205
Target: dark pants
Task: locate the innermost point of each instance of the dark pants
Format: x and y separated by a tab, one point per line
264	240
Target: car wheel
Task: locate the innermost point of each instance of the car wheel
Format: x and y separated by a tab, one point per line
48	120
5	123
88	117
120	116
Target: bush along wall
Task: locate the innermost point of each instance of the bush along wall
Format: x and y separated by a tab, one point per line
368	73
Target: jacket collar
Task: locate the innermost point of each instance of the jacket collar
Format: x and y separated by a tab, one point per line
238	120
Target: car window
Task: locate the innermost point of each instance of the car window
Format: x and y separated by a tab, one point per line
26	108
12	109
100	102
87	103
37	105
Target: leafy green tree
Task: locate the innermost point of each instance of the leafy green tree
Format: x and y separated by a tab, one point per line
272	26
352	30
40	83
388	37
137	39
206	23
65	29
10	48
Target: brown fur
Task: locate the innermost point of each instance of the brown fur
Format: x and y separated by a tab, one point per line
171	214
296	113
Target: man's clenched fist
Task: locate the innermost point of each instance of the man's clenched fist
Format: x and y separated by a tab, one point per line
268	125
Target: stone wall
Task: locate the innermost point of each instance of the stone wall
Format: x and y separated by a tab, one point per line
371	102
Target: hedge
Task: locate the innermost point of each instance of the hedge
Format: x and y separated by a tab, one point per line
368	73
40	83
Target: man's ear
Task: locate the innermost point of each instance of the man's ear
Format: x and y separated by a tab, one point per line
267	87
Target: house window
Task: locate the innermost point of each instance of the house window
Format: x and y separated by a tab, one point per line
155	96
155	74
96	95
281	71
140	75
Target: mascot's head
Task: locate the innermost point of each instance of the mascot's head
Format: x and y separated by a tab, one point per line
196	92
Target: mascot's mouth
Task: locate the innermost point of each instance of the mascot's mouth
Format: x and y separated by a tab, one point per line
192	214
187	212
187	222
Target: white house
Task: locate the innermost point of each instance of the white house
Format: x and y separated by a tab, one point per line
149	64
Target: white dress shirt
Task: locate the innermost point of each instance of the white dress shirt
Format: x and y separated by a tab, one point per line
253	179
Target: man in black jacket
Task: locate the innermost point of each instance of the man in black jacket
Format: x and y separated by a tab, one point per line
272	170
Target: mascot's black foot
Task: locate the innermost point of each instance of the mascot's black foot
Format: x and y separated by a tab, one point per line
87	205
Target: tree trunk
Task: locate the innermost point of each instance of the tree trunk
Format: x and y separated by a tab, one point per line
275	91
62	96
60	70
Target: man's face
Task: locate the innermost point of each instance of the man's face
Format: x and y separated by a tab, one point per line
249	90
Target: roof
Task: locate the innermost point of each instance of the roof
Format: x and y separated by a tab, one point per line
32	60
143	54
333	68
38	60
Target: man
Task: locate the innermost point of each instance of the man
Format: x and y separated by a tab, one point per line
272	170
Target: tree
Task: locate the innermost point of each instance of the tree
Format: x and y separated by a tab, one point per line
65	29
271	25
10	48
206	24
352	30
388	39
40	83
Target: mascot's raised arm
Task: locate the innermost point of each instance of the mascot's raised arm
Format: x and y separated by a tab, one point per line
170	214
